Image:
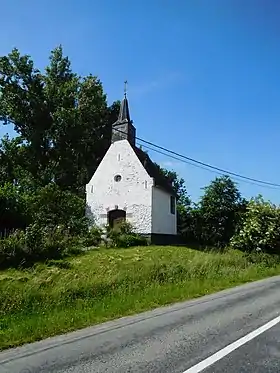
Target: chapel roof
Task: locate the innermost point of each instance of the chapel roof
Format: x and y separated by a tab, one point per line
153	171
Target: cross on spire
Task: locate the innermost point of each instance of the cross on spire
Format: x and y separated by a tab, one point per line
125	87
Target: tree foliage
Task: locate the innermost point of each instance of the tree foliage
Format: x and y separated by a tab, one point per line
217	212
13	208
260	227
63	127
63	121
51	206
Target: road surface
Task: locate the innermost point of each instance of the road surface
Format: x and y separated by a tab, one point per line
237	330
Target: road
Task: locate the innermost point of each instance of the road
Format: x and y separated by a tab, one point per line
236	330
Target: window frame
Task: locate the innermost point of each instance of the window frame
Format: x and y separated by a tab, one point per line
172	205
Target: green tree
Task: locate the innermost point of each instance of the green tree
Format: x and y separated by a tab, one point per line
13	208
13	164
50	206
63	120
218	211
260	227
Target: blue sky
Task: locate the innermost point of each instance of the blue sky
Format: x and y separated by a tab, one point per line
204	76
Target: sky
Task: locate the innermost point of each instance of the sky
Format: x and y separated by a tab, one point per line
203	76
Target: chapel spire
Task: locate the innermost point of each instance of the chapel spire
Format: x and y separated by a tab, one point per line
123	128
124	108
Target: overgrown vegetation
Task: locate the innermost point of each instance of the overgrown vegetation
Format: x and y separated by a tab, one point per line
259	228
124	236
38	243
102	284
24	248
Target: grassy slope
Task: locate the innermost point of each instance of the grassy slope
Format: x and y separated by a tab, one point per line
101	285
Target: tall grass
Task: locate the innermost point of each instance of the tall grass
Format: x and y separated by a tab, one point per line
60	296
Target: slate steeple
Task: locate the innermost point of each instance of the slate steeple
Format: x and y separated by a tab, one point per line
124	110
123	128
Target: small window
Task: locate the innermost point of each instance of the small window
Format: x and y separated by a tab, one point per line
172	205
119	157
117	178
92	189
146	184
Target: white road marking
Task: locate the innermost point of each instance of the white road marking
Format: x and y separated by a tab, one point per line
233	346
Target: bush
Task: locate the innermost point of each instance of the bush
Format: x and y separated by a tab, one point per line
93	237
34	240
36	244
125	236
50	206
45	243
129	240
11	249
57	242
260	228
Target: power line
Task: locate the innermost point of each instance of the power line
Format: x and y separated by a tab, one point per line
204	168
209	166
206	165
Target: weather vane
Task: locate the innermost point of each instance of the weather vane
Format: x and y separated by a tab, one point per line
125	87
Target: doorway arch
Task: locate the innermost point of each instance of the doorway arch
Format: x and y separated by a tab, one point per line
116	217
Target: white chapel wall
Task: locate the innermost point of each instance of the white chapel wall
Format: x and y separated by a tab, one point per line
132	193
163	222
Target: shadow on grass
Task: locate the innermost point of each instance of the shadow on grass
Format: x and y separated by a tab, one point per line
59	263
194	245
58	259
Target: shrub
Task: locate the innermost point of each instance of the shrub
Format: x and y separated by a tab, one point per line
93	237
11	249
125	228
35	237
128	240
45	243
36	244
57	240
53	207
260	228
125	236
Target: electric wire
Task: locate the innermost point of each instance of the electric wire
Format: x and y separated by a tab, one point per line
203	164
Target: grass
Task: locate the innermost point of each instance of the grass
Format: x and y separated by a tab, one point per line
49	299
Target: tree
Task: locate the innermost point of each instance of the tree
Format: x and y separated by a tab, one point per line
63	121
260	228
50	207
217	212
63	125
14	164
13	208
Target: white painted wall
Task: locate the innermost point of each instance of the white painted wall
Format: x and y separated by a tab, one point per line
163	222
133	192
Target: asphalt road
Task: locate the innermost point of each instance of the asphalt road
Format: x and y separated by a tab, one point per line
233	331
